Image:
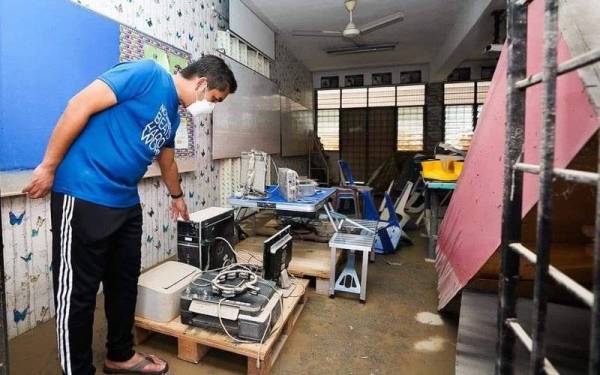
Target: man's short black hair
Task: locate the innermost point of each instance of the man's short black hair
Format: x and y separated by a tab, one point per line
215	70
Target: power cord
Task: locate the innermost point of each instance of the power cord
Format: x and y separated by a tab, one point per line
228	244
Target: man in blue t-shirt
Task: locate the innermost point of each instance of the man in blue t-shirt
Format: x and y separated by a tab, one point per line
100	149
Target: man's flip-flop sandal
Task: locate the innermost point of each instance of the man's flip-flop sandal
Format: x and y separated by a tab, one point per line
138	368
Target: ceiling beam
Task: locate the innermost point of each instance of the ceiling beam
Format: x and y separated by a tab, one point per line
464	37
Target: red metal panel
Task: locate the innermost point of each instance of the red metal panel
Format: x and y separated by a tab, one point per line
470	232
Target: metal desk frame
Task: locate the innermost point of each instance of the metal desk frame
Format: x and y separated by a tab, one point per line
432	211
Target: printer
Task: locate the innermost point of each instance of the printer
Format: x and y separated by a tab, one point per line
159	290
248	314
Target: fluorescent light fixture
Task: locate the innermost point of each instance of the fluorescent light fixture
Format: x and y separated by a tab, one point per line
362	49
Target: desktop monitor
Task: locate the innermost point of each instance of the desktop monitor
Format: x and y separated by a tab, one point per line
277	254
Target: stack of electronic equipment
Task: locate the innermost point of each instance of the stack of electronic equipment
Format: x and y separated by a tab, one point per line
218	293
236	299
292	187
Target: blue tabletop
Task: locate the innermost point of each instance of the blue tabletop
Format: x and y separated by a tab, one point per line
440	185
275	200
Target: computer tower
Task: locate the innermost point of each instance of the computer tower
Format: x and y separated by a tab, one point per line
197	242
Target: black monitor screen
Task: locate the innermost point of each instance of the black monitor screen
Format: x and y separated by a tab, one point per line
277	254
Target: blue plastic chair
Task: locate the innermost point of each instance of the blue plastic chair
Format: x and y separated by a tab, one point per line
346	177
389	233
347	180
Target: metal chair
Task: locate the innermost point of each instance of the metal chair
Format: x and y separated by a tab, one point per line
352	235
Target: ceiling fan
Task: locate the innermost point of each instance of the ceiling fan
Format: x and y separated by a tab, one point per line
351	31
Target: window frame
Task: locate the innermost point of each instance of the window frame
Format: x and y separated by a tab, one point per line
475	104
395	106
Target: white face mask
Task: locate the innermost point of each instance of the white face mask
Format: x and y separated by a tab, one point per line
201	107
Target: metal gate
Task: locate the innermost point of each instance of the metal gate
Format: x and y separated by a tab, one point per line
509	328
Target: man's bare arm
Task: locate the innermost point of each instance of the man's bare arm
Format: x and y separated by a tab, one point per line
92	99
170	175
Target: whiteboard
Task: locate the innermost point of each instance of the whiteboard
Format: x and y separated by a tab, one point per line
248	119
296	124
247	25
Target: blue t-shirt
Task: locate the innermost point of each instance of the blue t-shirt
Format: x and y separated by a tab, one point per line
112	153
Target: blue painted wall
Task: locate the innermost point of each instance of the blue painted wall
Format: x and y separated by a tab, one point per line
49	50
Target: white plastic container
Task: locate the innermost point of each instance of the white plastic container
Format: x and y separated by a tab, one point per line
307	188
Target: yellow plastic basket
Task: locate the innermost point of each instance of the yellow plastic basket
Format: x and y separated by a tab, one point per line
441	170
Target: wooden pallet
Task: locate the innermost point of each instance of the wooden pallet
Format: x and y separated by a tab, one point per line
193	343
308	259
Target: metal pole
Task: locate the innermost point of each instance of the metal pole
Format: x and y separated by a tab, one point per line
544	212
4	368
594	362
513	181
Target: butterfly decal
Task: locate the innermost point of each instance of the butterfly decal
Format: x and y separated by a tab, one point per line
169	252
178	35
39	222
20	316
44	313
211	29
179	13
203	202
191	194
149	22
156	184
203	153
201	124
151	212
16	219
212	168
119	8
165	228
27	258
190	37
149	239
158	245
201	173
34	278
